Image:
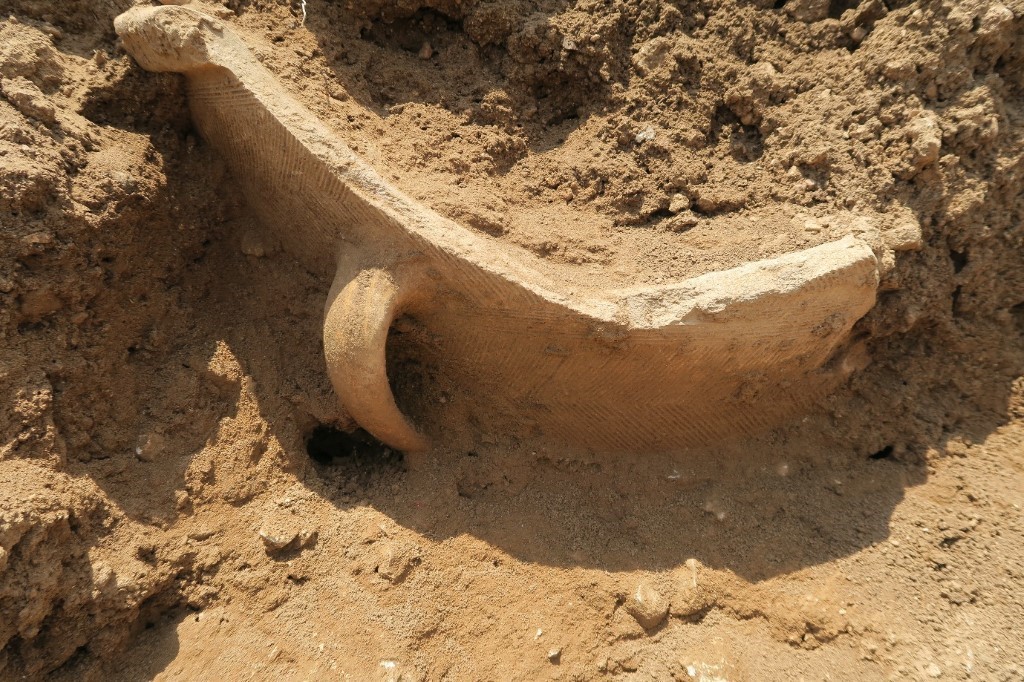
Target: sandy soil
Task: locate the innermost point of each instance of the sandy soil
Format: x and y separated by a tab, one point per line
179	495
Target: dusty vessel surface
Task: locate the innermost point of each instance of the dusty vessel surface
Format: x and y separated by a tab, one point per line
605	367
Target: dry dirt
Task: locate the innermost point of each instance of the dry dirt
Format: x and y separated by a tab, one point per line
179	497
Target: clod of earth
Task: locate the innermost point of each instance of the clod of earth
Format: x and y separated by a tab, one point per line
684	364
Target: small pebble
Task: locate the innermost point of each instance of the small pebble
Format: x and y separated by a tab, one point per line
904	238
148	446
396	560
807	11
683	221
679	203
275	541
647	607
714	507
645	135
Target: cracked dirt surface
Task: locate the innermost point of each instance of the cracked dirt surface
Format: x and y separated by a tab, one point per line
163	388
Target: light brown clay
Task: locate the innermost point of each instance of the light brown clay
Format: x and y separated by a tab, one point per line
653	367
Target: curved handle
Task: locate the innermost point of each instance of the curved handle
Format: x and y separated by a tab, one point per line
360	310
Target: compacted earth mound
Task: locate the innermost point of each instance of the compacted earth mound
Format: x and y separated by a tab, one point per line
181	494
